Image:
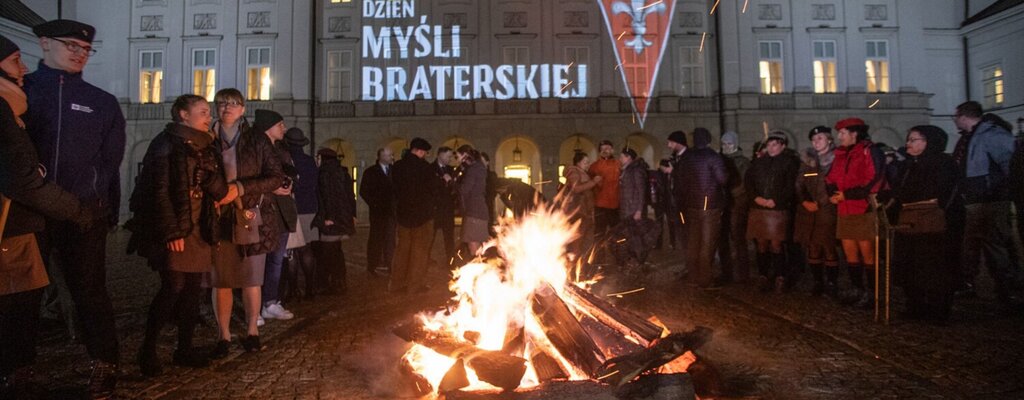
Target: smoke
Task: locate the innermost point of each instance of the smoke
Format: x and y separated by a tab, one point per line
379	362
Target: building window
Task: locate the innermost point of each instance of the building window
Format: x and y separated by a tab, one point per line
204	73
515	55
992	83
770	67
635	66
576	56
824	66
691	72
257	62
339	75
877	65
151	76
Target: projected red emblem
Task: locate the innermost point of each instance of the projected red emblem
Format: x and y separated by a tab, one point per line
640	31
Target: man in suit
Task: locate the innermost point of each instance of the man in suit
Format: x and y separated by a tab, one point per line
378	191
444	215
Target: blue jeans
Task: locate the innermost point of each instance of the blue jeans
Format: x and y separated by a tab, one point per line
272	273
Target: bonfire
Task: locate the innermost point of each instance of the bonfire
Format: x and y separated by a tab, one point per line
522	315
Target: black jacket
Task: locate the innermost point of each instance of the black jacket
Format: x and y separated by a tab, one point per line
180	163
337	202
417	190
378	190
305	183
259	173
701	181
448	198
31	196
286	206
773	178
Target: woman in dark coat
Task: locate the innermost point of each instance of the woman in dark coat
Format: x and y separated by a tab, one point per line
926	259
579	201
473	198
335	219
250	161
174	224
769	183
27	199
816	215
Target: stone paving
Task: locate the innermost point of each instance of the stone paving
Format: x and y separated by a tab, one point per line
790	346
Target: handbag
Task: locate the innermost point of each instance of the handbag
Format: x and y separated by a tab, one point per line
922	217
247	223
21	264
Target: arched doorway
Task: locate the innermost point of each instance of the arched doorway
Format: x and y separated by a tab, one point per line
397	145
569	147
644	146
518	157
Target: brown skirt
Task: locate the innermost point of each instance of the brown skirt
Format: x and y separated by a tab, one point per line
197	257
767	225
231	270
857	227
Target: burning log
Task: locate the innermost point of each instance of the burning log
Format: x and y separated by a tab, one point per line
626	322
412	382
494	367
455	378
546	367
620	370
565	332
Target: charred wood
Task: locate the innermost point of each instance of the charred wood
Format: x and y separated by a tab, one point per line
620	370
564	331
626	322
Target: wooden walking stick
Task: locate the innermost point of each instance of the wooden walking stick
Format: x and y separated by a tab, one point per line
6	208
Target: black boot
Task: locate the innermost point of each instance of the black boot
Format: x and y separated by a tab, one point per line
149	362
867	300
778	266
186	355
764	270
819	279
832	284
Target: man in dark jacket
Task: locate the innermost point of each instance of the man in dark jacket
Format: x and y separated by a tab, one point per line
733	251
272	125
378	191
335	219
701	197
666	210
79	133
416	191
444	214
985	190
304	188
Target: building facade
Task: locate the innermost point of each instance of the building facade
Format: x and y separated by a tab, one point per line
784	65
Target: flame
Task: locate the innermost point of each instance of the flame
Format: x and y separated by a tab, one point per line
491	297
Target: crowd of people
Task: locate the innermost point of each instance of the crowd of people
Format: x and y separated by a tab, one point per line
943	215
228	207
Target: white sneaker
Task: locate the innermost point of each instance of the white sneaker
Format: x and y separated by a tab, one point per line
260	321
276	311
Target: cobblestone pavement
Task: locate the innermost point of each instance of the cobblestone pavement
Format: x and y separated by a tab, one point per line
790	346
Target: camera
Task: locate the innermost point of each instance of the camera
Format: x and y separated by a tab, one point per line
287	183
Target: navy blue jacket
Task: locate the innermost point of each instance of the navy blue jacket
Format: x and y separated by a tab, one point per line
78	130
701	181
305	186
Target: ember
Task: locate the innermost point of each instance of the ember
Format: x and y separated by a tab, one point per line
525	318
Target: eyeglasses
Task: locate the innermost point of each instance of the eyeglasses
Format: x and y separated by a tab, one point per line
76	49
232	103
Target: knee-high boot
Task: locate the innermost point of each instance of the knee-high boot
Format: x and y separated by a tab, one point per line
764	270
819	278
867	301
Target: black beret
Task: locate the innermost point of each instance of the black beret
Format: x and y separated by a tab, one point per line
60	28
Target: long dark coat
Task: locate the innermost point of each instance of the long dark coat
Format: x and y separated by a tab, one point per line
337	201
818	228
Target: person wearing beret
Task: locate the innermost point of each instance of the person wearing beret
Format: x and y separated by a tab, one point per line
416	191
79	134
854	180
305	190
334	220
770	183
27	199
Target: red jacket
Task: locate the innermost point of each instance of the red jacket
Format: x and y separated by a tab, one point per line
854	173
607	195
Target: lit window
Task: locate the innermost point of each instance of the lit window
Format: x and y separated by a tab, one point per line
258	73
691	72
577	56
204	73
877	66
339	75
341	1
825	66
520	172
770	67
992	83
151	75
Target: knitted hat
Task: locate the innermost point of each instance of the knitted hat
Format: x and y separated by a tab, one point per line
730	137
678	137
266	119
